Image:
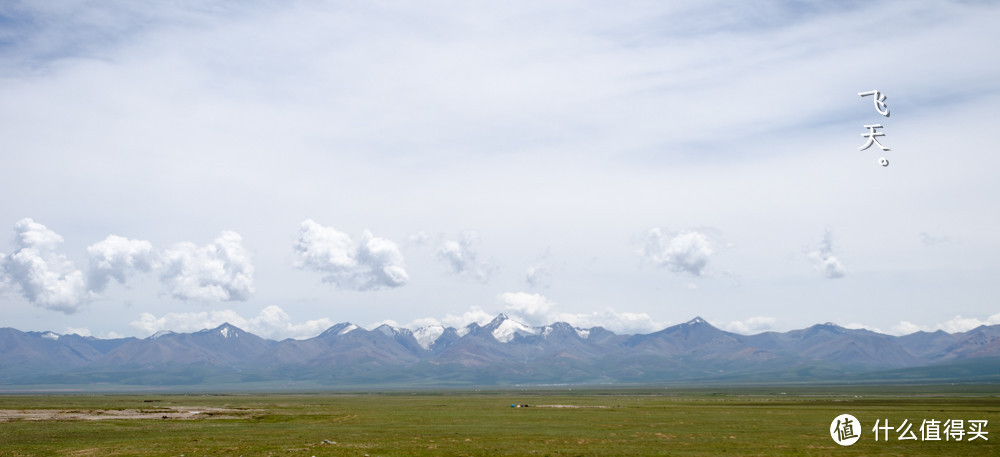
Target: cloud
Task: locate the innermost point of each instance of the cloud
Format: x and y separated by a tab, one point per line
116	257
611	319
272	322
474	314
957	324
220	271
461	258
44	277
538	310
954	325
538	275
369	264
750	326
931	240
824	260
533	309
82	331
684	252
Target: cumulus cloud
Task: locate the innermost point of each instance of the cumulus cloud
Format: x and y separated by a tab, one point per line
538	310
474	314
957	324
461	258
371	263
117	257
684	252
751	326
219	271
824	260
271	322
954	325
45	277
533	309
612	319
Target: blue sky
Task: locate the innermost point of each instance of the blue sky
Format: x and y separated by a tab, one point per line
287	166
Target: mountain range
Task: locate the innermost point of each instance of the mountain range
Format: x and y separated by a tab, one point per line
502	352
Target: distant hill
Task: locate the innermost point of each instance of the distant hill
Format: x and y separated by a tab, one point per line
502	352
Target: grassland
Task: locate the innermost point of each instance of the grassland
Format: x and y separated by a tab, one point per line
604	422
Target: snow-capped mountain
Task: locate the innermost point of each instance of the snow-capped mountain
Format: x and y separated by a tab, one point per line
503	351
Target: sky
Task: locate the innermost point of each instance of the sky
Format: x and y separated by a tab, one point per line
285	166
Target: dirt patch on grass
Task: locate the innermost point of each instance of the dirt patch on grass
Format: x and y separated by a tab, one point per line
569	406
173	412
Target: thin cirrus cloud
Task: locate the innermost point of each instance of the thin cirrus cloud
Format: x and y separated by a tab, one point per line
219	271
824	261
539	274
370	263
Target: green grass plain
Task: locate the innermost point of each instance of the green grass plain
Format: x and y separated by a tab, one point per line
746	421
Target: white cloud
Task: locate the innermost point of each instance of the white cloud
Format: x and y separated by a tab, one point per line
220	271
116	257
538	275
44	277
751	326
461	258
423	322
824	260
611	319
533	309
389	322
483	106
538	310
474	314
82	331
956	324
860	326
904	328
684	252
369	264
272	322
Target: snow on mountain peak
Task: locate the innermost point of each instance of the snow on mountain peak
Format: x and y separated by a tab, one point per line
426	336
50	336
348	329
508	328
581	332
